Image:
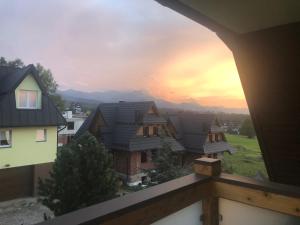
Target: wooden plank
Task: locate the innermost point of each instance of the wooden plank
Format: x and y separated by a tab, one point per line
210	210
142	207
258	198
163	207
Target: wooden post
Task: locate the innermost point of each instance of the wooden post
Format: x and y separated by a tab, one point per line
207	166
210	204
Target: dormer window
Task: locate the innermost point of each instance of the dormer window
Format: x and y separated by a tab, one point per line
146	131
155	131
28	99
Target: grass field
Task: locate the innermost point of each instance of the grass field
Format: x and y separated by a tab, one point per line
247	160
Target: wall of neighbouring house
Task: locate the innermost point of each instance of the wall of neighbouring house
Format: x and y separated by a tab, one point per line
26	151
121	161
29	83
129	166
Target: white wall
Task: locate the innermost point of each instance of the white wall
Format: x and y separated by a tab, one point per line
187	216
77	124
235	213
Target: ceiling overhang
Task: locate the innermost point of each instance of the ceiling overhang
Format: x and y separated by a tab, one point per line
238	16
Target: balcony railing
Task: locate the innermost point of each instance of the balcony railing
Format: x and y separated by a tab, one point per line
207	189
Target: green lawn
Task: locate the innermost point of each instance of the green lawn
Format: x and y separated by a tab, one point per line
247	160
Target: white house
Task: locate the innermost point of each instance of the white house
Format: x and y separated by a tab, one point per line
74	122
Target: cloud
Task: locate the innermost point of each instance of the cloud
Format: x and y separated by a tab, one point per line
106	44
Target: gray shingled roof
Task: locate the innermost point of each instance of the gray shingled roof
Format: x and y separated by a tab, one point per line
10	116
123	120
216	147
145	143
192	131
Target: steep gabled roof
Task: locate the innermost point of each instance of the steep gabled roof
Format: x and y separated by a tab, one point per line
192	130
122	122
10	116
11	77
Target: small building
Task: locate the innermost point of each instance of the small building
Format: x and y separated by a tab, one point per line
133	132
74	121
200	134
28	131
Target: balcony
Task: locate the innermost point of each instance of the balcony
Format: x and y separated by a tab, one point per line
206	197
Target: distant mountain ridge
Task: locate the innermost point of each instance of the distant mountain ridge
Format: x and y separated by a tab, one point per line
94	98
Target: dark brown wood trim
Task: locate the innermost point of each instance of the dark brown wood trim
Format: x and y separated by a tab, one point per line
210	208
277	188
143	207
272	196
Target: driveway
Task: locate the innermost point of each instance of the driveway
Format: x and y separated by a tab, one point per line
25	211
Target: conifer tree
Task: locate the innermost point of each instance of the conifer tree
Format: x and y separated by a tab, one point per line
168	165
82	175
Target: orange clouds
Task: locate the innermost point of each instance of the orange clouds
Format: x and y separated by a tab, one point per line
208	77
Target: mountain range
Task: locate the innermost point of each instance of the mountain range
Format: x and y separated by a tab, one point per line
93	98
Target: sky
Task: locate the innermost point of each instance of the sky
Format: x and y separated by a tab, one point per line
100	45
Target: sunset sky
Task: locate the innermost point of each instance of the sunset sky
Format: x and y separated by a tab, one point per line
98	45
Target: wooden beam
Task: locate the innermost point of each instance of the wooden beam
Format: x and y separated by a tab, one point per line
142	207
165	206
207	166
210	209
273	201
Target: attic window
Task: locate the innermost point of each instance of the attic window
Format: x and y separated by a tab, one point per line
28	99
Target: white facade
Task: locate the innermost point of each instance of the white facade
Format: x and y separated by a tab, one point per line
74	122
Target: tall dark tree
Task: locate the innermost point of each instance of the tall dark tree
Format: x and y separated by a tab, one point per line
46	78
14	63
247	128
168	165
82	175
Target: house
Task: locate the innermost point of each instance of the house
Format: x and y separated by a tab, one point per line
28	131
76	108
133	132
74	121
200	134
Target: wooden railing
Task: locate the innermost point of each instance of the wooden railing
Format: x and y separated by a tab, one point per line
207	184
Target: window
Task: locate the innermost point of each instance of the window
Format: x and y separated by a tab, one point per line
217	137
28	99
5	138
155	131
210	137
143	157
70	125
41	135
153	154
146	131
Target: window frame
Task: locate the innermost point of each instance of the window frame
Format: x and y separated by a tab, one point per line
146	134
144	157
10	138
154	154
155	131
27	99
72	125
45	135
